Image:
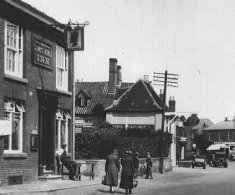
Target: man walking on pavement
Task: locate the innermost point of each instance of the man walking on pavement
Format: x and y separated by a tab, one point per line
149	165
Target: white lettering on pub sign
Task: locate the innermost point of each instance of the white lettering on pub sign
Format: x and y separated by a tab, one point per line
42	53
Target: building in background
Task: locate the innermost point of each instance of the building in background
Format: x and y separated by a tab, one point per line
93	97
198	129
222	133
36	75
140	107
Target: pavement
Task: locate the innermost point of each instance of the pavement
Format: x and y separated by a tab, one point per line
44	187
53	187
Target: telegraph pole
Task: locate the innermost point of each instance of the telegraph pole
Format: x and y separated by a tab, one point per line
171	81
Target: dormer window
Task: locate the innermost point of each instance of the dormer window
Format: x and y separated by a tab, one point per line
82	99
81	102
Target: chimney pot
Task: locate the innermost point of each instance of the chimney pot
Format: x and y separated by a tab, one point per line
146	78
161	94
119	75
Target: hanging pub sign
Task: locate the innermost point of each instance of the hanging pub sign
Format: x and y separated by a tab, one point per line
75	39
41	53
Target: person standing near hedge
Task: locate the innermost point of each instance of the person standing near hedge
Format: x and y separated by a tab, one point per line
136	164
149	165
112	167
127	172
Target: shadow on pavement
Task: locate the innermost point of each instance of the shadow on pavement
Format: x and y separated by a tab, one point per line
107	192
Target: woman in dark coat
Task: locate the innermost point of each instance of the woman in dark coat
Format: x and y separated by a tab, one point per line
112	167
127	172
136	164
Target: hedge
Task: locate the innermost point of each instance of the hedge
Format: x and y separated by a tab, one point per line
99	142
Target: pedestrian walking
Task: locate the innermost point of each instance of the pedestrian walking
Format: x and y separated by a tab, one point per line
112	167
127	174
149	165
136	164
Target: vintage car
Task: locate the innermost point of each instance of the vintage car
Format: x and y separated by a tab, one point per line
219	160
232	153
199	162
232	156
217	155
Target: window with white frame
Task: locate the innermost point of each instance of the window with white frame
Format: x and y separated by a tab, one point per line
13	111
61	68
13	50
62	120
222	136
88	121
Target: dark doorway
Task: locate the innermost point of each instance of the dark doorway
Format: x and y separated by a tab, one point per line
47	109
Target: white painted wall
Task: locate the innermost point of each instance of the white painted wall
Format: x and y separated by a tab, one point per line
135	118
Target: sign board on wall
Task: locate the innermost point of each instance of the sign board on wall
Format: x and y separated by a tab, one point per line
41	53
183	139
133	126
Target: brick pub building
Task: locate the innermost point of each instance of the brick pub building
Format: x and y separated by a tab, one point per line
36	76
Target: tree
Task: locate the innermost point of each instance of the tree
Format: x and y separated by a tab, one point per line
201	143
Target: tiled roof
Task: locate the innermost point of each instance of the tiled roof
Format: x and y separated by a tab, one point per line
224	125
140	97
98	91
204	123
33	10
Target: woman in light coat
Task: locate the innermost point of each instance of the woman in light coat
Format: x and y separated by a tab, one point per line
112	167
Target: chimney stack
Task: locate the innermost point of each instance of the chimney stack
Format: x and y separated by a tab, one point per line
172	104
112	75
161	94
146	78
119	75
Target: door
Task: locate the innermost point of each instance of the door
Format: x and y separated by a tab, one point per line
47	110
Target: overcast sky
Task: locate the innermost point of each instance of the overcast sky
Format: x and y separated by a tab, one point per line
192	38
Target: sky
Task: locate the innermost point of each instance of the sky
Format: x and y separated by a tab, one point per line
192	38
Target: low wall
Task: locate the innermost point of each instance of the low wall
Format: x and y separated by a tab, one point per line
99	168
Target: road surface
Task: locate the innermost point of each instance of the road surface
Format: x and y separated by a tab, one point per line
182	181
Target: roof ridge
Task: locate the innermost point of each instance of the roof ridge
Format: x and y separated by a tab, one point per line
119	99
34	9
150	94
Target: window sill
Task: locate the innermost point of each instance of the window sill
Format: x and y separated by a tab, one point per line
15	155
64	92
88	125
22	80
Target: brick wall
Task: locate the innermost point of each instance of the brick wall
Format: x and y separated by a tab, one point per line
35	77
99	168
